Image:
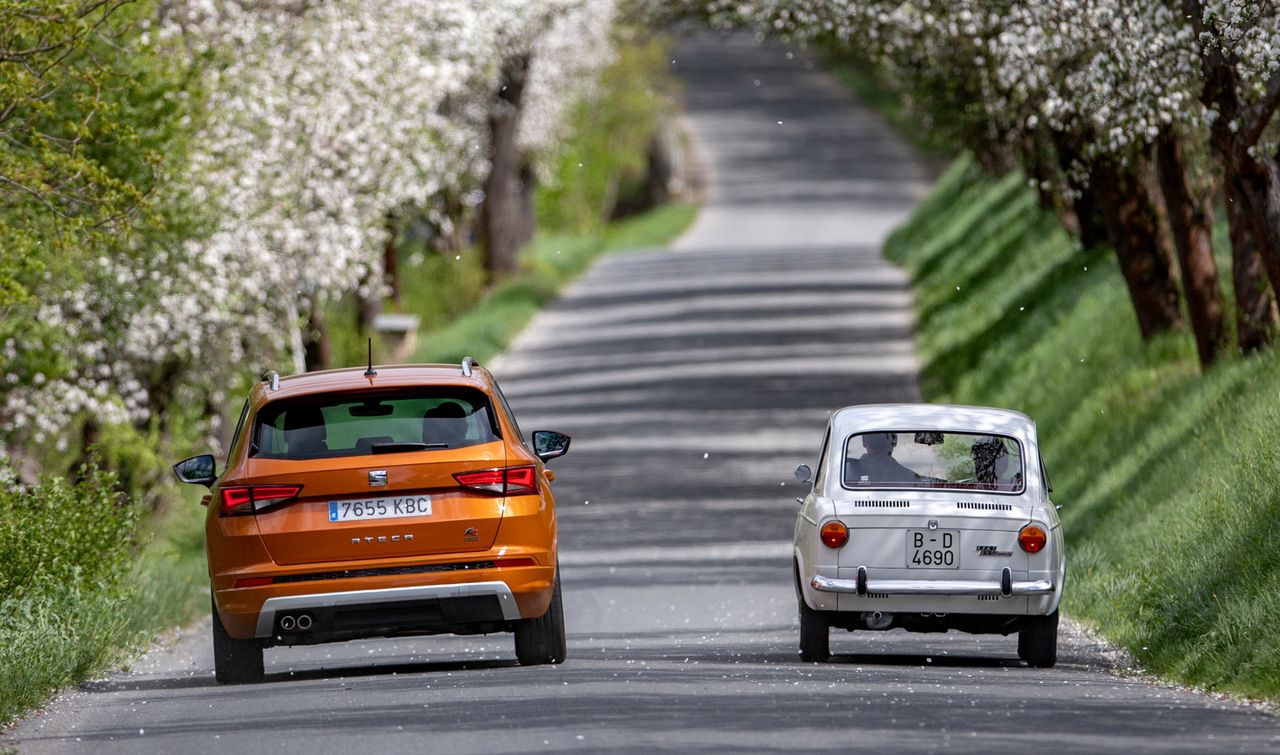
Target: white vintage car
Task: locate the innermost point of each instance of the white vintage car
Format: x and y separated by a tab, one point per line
929	518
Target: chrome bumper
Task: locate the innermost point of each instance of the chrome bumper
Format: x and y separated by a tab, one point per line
863	586
272	606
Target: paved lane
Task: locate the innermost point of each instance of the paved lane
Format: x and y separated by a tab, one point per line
693	380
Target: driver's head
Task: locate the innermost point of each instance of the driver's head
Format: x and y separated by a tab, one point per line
986	451
879	444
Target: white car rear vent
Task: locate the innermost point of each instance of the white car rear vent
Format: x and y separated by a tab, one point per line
881	504
984	506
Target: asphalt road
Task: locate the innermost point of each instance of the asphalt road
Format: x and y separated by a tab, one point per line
693	380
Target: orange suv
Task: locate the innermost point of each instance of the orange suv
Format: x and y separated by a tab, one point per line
394	501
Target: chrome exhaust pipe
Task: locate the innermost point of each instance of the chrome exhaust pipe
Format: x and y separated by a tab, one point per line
304	622
287	623
877	619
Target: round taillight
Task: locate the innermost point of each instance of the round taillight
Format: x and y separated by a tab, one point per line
834	534
1032	538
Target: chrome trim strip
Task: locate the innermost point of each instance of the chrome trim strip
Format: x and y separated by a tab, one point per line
267	616
930	586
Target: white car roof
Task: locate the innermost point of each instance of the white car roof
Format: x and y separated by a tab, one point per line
946	417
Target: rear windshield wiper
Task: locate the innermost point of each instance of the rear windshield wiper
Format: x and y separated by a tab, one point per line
400	447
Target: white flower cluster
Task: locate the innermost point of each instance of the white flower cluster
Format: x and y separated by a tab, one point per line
1111	72
318	119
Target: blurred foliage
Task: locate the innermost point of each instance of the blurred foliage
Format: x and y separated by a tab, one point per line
1169	480
602	164
605	162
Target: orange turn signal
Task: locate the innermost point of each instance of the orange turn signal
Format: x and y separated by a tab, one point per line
834	534
1032	538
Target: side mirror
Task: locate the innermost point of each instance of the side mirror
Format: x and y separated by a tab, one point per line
197	470
549	444
803	473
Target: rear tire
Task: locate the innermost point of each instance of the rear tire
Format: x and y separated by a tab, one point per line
1038	642
815	635
234	661
541	641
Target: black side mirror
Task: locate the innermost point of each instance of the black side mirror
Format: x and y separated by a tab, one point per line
549	444
197	470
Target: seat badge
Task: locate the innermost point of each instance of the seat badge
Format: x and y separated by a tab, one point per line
377	478
933	524
471	535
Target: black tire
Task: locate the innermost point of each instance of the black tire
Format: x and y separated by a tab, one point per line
541	641
234	661
1038	642
815	635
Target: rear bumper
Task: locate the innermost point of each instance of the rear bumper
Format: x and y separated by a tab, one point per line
865	586
451	601
455	602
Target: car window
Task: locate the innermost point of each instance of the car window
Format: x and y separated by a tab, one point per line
235	436
331	425
821	477
506	407
933	460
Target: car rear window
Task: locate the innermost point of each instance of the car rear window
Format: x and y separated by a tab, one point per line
933	460
422	419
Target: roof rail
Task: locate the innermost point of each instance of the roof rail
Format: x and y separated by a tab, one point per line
467	364
272	379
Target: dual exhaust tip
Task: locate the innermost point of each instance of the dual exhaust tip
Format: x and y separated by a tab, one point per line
299	622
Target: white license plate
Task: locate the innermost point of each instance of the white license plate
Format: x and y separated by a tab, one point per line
390	507
933	549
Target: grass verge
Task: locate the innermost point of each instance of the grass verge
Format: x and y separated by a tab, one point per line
1170	479
73	616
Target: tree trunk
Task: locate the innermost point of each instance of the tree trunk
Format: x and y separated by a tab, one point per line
528	223
1267	201
1146	262
1252	184
501	216
1191	219
1086	222
1091	225
317	351
1256	315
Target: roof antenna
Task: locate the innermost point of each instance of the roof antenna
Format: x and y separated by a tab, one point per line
370	372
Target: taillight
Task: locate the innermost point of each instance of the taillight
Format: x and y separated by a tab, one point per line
246	499
1032	538
834	534
508	481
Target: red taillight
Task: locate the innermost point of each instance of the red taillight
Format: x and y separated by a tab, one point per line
520	481
254	581
246	499
834	534
1032	538
508	481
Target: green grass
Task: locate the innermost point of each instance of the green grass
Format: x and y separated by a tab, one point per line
1169	479
75	616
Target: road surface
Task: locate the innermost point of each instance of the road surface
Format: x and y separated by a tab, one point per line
692	380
